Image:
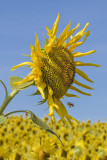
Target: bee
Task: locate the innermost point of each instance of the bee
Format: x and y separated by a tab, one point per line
70	104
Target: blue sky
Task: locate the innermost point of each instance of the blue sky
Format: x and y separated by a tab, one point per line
19	20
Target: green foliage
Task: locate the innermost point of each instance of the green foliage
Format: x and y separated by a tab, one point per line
36	120
18	87
42	124
2	119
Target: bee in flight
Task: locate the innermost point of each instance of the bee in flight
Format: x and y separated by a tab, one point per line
70	104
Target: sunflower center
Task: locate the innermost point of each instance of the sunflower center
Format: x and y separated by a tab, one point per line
58	70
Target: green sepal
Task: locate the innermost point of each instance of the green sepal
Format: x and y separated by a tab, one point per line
26	55
2	119
42	124
46	96
18	87
36	93
46	40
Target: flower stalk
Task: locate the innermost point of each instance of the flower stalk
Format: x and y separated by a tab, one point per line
7	100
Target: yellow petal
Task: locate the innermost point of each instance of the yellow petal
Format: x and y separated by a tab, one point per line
77	90
22	64
83	75
71	95
79	54
68	34
74	39
51	110
78	63
60	115
55	26
41	88
46	40
33	55
37	79
50	45
71	49
51	33
50	91
30	77
37	71
77	37
37	47
83	29
82	85
51	101
48	30
63	111
59	42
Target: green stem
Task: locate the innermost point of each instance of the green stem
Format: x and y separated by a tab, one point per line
15	112
7	100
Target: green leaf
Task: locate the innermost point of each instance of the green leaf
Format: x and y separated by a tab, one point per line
2	119
42	124
6	92
18	87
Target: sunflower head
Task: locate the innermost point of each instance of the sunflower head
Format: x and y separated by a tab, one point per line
58	70
53	68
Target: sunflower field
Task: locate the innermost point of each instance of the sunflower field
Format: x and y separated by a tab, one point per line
21	139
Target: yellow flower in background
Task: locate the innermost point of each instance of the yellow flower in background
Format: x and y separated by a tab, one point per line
53	68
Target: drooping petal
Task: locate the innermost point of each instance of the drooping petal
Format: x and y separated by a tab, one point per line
41	87
22	64
50	91
77	90
71	95
37	47
83	75
51	113
60	115
79	54
59	42
68	117
62	110
82	85
51	101
52	106
30	77
78	63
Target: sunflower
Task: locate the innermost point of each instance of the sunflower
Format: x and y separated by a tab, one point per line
53	68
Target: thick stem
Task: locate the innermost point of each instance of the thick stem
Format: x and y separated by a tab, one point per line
7	100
